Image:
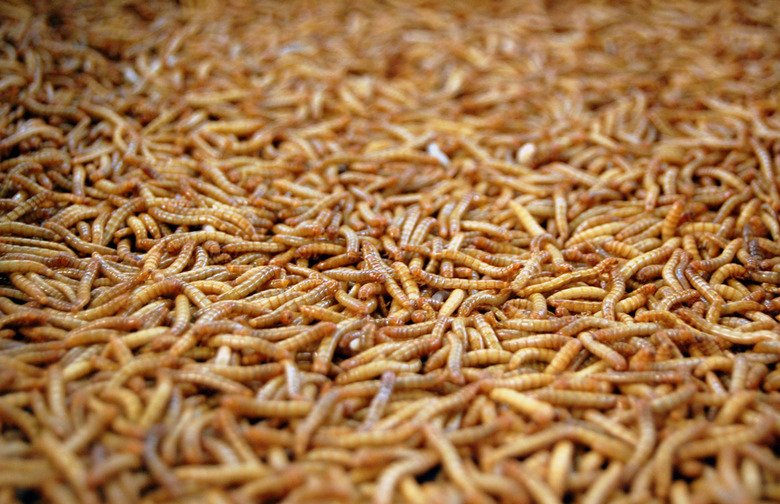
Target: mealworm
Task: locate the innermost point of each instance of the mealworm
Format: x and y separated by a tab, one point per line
576	399
452	463
538	488
455	358
67	462
616	292
524	355
475	264
202	296
452	304
411	466
568	278
662	462
617	361
541	412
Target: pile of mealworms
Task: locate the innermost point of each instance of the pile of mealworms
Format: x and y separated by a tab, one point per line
312	251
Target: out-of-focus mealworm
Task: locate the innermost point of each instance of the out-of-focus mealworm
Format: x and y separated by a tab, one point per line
411	466
576	399
646	442
68	463
711	445
540	491
452	463
91	429
376	368
380	400
139	366
662	461
268	408
672	400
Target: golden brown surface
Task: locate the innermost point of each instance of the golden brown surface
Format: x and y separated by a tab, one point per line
394	252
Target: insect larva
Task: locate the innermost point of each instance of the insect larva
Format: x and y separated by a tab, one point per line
29	287
226	423
540	491
157	468
452	463
568	278
453	302
765	165
158	400
625	332
622	249
455	358
540	412
689	316
636	227
701	285
674	399
561	210
630	268
525	219
455	401
105	309
488	298
738	374
537	325
606	230
110	466
410	287
524	355
617	361
486	331
308	336
740	436
616	291
576	398
662	461
478	265
234	341
375	369
319	248
671	220
584	323
723	259
379	402
275	484
735	405
485	357
411	466
762	455
140	365
88	431
646	442
268	408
